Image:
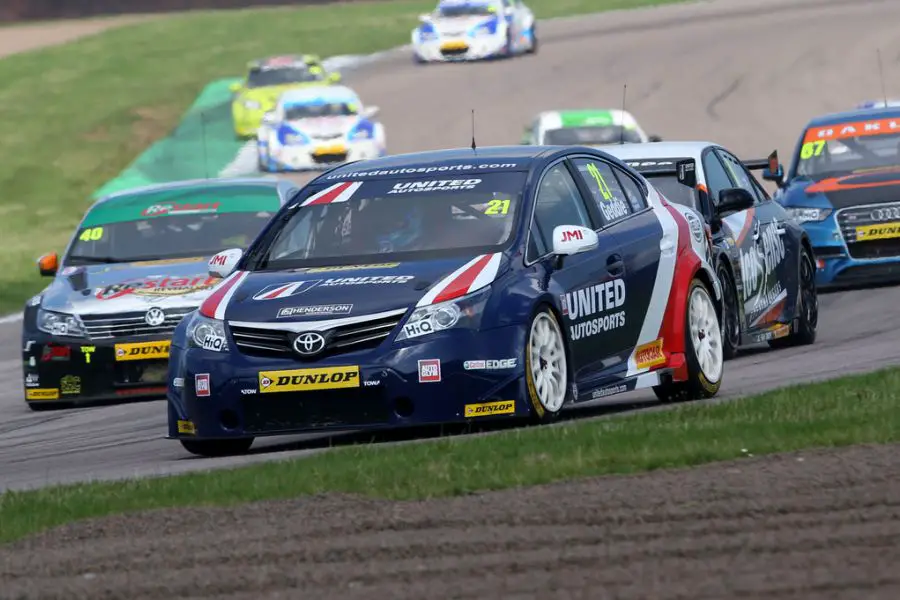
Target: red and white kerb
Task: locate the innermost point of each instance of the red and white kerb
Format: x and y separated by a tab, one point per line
474	275
339	192
215	304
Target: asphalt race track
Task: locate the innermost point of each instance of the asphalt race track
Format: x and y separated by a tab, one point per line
747	74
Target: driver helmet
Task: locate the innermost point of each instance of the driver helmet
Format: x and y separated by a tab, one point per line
404	232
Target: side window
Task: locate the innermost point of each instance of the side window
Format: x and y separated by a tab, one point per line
716	177
606	192
739	174
558	202
632	190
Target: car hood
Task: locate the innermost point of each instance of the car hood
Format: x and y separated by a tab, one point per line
324	127
875	187
110	289
459	25
268	96
324	293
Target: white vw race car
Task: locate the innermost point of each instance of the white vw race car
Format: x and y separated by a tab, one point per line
318	127
462	30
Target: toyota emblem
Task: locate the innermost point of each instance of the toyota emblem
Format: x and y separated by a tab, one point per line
309	343
155	317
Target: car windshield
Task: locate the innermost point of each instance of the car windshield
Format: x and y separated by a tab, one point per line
669	186
398	219
283	75
177	223
846	148
314	111
465	9
590	136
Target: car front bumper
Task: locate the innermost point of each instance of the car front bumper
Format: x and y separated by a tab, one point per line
309	157
460	49
448	378
841	265
64	371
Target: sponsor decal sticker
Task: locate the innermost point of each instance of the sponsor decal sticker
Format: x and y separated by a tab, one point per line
178	382
415	329
372	383
158	286
773	333
428	169
187	427
434	185
611	390
352	267
490	365
143	350
573	234
881	231
759	264
32	380
303	380
88	352
429	370
650	354
286	290
695	225
600	300
504	407
173	208
213	342
201	384
248	391
70	385
54	353
42	394
321	309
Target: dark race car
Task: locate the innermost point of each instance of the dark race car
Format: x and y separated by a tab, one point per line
763	258
445	286
135	266
843	186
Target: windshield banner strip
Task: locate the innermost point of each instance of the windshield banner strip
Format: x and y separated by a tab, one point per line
339	192
838	131
429	169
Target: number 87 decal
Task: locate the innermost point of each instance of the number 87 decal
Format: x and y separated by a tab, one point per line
810	149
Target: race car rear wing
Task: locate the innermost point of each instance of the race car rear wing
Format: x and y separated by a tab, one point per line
770	166
683	168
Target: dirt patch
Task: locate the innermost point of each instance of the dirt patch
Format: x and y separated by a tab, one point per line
816	525
22	38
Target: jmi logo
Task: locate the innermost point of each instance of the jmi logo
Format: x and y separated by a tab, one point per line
302	380
143	350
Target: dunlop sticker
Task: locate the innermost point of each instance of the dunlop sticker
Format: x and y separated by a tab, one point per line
883	231
504	407
42	394
304	380
187	427
649	355
143	350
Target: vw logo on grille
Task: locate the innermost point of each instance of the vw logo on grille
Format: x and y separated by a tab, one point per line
885	214
309	343
155	317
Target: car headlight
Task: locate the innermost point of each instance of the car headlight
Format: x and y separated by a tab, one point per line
802	215
59	324
206	333
461	313
252	105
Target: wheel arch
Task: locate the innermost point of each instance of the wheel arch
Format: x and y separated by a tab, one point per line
545	302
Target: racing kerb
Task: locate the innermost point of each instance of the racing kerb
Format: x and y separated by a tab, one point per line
745	74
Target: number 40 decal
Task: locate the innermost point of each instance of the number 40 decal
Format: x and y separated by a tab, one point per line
92	234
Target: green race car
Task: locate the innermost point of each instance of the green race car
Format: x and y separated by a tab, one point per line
596	127
266	80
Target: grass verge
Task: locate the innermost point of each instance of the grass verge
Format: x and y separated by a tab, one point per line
851	410
73	116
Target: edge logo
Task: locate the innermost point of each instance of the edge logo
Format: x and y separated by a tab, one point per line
302	380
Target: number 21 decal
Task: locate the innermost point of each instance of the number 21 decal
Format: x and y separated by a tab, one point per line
497	207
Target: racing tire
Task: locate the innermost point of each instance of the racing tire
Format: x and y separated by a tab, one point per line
547	372
731	319
808	297
212	448
534	41
703	350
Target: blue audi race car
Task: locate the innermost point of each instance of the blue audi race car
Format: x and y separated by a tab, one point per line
448	286
843	186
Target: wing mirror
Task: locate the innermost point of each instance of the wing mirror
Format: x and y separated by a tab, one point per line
334	77
734	200
223	264
48	264
269	117
774	172
573	239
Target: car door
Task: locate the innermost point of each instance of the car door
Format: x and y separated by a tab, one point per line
768	261
591	300
625	214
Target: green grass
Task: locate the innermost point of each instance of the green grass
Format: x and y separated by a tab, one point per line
73	116
852	410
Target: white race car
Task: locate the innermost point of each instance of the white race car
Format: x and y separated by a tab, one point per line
586	127
316	128
460	30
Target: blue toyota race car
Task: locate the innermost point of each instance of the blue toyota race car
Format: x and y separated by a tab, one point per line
444	286
843	186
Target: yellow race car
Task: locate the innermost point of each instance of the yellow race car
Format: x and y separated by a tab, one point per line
266	80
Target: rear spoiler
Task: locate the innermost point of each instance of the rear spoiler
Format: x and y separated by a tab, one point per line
770	166
684	169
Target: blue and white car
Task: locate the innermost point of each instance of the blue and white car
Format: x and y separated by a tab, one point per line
461	30
318	127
